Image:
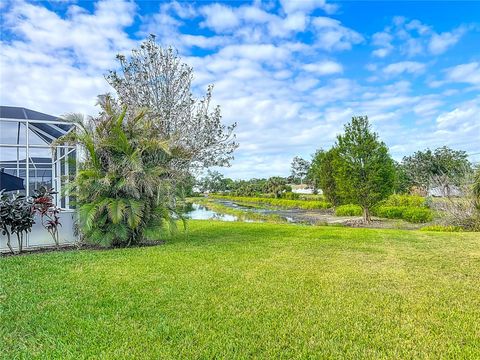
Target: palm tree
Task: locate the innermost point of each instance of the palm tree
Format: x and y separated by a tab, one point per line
125	186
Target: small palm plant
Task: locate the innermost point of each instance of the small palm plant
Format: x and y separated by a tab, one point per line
124	188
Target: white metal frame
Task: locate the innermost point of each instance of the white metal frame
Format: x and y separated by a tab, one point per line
56	160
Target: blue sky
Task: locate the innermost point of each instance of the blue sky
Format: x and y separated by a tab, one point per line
290	73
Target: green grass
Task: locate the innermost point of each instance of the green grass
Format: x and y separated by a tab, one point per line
237	291
283	203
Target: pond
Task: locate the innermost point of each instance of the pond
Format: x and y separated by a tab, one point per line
200	212
294	216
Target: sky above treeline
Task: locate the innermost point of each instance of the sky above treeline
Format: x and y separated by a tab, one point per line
289	73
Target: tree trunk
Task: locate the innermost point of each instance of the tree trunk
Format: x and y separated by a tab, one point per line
54	234
9	244
20	242
366	216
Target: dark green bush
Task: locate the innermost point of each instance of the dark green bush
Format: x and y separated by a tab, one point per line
348	210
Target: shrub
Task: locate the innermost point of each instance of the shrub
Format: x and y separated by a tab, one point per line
407	207
404	200
348	210
442	228
290	196
16	217
285	203
409	213
390	212
312	197
417	215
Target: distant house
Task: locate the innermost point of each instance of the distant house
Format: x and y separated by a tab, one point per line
303	189
444	191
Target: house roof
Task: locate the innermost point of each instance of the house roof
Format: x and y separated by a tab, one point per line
46	131
14	112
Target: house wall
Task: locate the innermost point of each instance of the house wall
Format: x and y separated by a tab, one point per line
307	191
39	237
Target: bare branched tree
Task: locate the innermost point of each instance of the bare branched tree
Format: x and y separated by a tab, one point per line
460	202
156	79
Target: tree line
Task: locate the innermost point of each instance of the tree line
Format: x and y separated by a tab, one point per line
358	169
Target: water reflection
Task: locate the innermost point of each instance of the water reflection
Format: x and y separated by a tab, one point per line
294	216
199	212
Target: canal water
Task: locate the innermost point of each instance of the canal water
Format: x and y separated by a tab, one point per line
295	216
200	212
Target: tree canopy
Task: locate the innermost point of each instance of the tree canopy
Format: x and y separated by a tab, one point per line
156	79
365	171
430	168
299	169
322	174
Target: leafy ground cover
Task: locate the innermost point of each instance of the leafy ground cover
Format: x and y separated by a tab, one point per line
248	290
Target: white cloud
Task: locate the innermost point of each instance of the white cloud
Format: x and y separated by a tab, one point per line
427	107
332	35
92	38
219	17
324	68
272	68
259	52
439	43
56	64
338	89
411	67
413	38
459	117
384	40
465	73
307	6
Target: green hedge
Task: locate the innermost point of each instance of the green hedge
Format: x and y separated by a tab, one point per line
290	196
285	203
390	212
348	210
404	200
407	207
417	215
409	213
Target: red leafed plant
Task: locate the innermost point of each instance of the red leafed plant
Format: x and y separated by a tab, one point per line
48	211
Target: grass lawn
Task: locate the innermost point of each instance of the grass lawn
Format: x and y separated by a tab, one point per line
244	290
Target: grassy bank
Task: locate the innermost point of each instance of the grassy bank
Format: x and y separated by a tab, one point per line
283	203
237	291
